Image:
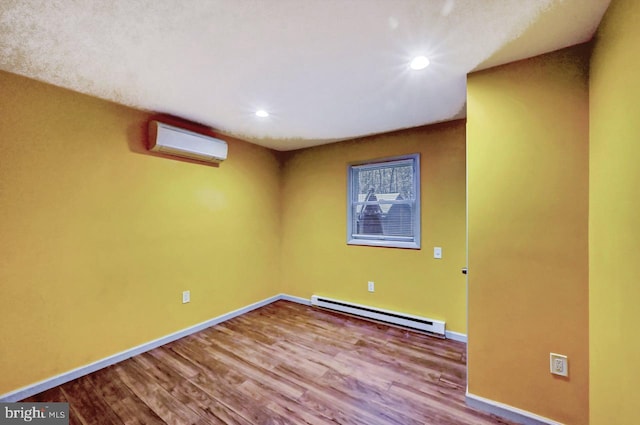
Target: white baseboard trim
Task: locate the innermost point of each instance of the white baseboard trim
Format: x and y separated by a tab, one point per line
456	336
65	377
46	384
508	412
294	299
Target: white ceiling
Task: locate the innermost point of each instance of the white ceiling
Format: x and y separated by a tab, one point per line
325	70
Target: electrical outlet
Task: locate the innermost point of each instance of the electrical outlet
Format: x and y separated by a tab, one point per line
559	364
186	297
371	286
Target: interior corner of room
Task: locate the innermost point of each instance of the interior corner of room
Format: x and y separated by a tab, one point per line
535	191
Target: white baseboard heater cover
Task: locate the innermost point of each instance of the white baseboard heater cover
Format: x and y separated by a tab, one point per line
401	319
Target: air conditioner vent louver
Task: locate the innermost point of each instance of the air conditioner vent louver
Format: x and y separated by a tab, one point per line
176	141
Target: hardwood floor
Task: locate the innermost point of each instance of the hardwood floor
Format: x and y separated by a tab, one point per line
282	364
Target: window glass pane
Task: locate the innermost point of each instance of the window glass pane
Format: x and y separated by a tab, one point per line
392	181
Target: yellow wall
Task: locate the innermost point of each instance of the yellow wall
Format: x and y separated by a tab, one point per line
614	222
98	240
527	153
317	259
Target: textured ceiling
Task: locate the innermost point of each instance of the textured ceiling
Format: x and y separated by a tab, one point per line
325	70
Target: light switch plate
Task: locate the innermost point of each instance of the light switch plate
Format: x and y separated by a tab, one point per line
437	252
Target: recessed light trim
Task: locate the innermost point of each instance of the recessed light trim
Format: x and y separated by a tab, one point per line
419	62
262	113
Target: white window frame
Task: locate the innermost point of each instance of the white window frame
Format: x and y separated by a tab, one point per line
352	201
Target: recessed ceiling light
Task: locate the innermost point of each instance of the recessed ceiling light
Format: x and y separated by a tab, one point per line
419	62
262	113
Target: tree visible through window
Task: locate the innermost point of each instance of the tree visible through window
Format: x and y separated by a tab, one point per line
384	203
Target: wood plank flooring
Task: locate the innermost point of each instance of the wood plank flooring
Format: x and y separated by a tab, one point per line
282	364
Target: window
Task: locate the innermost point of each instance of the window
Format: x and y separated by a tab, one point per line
384	203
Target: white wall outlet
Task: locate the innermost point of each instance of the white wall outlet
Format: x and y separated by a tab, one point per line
186	297
437	252
559	364
371	286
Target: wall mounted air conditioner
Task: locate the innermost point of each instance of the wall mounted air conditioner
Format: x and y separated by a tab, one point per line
176	141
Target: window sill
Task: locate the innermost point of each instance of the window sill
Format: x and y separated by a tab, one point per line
384	243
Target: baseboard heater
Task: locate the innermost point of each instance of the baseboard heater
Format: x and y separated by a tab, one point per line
431	326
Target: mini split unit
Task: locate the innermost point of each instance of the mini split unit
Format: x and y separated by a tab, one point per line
176	141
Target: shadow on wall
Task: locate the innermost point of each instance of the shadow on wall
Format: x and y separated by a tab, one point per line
138	137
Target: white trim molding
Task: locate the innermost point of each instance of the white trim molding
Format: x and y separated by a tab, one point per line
65	377
54	381
507	412
293	299
456	336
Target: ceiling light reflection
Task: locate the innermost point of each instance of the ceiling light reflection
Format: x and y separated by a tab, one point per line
419	62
